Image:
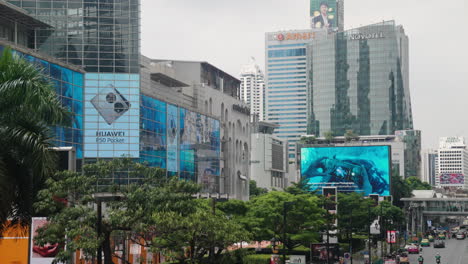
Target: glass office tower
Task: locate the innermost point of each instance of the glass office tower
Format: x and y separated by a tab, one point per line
98	35
358	80
286	83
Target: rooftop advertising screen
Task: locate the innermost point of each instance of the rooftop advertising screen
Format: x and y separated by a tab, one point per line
323	14
364	169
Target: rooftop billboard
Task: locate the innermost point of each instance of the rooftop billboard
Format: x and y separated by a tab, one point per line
323	14
364	169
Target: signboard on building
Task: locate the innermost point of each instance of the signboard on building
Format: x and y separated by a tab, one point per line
323	14
391	237
40	254
172	137
112	115
297	259
363	169
452	179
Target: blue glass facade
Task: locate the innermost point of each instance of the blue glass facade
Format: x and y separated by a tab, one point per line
68	85
185	143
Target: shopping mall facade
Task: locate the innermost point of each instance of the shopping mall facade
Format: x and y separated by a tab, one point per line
187	120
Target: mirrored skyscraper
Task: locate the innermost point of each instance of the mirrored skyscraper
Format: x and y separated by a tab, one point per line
358	80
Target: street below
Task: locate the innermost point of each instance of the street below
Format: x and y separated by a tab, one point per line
455	252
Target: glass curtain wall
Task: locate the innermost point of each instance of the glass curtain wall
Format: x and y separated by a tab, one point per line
98	35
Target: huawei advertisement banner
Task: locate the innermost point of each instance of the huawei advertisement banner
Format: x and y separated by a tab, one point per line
41	254
363	169
323	14
112	114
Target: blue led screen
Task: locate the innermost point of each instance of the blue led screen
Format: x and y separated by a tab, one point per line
112	108
364	169
68	85
181	141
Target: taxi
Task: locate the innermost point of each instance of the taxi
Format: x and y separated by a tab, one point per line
425	243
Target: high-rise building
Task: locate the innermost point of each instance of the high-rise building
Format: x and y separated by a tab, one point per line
358	80
429	166
98	35
452	163
252	89
286	83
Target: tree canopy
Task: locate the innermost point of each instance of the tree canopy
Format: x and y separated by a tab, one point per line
303	218
29	107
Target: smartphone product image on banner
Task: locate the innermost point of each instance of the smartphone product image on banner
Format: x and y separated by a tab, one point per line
110	104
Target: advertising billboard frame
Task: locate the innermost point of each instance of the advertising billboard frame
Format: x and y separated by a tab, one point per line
315	12
333	146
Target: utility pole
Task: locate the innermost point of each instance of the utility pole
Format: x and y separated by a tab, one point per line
99	227
351	236
369	233
382	231
285	211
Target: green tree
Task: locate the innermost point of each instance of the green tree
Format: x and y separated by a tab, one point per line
189	238
29	106
393	217
308	140
254	190
303	218
415	183
353	213
399	189
350	136
329	136
130	215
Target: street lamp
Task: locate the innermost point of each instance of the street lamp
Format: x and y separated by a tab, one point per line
103	197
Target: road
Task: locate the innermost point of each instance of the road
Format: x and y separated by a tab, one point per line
455	252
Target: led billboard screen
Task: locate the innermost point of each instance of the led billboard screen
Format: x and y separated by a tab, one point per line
452	178
112	110
323	14
364	169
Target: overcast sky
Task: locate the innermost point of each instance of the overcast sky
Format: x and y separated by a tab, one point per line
227	33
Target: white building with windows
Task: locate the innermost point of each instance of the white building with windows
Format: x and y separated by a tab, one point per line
452	163
252	89
286	83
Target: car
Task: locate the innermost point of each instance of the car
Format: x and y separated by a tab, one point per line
460	236
413	249
425	243
431	238
441	236
403	258
439	244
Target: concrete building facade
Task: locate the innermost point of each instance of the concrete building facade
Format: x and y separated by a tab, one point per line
202	88
252	89
429	166
452	163
269	160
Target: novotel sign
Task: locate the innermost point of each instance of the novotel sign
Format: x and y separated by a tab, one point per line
364	36
294	36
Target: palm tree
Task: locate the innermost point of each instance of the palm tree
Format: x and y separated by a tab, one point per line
28	108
